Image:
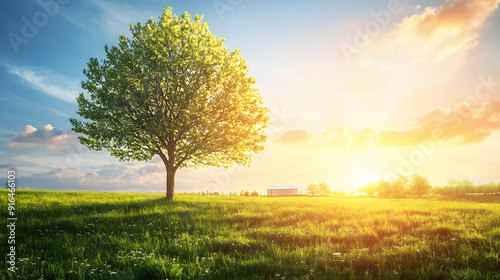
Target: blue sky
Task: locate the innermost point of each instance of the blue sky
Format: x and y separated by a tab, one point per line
419	60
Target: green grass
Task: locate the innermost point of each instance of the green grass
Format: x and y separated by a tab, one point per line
85	235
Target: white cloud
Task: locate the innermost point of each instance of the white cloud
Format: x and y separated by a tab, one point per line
445	33
60	113
51	138
48	82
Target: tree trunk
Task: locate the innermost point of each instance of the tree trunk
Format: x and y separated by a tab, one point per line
170	181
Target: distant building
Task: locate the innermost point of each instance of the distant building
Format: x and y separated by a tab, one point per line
286	191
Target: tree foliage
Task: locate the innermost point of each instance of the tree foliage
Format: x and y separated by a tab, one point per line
464	187
384	188
419	186
312	189
370	188
324	189
400	187
321	189
173	89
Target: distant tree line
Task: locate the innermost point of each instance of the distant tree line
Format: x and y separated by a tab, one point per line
399	187
241	193
462	187
323	189
417	186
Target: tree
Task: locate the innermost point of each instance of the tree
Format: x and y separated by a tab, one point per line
466	186
370	189
173	90
384	188
313	189
460	187
419	185
323	189
400	186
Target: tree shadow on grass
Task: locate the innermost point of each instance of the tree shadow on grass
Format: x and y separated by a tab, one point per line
104	217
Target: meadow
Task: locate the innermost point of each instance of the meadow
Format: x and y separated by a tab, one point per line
86	235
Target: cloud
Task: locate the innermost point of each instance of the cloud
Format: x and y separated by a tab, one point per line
465	124
295	137
338	137
51	138
60	113
449	31
93	15
350	140
152	174
66	173
48	82
114	177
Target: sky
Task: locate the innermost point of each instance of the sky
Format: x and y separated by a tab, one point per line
358	90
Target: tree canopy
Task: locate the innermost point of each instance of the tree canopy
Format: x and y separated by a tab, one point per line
322	189
173	89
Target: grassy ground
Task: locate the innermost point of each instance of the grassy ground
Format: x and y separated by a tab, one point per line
84	235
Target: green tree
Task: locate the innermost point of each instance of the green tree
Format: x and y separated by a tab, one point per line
466	186
174	90
460	187
419	185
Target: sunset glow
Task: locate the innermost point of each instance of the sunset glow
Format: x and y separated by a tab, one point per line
367	177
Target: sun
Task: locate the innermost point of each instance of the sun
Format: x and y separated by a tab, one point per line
365	177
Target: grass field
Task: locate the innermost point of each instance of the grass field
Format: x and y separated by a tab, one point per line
84	235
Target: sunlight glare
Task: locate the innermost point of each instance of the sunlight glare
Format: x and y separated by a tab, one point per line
365	177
